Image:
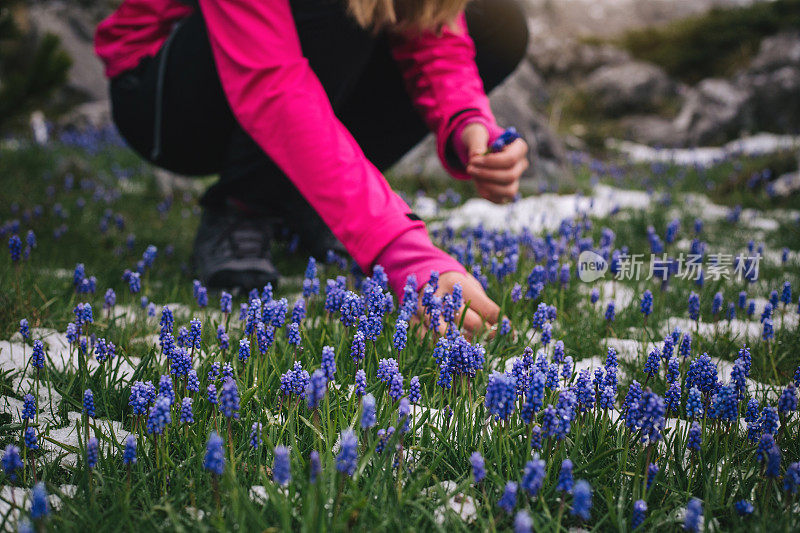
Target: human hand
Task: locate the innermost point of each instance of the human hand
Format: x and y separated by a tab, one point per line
481	312
496	175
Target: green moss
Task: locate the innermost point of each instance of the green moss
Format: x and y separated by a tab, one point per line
716	43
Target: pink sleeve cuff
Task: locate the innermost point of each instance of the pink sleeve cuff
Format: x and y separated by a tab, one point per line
452	142
412	252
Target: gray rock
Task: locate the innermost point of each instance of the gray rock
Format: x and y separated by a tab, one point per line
776	52
653	130
74	26
565	58
714	112
630	87
776	99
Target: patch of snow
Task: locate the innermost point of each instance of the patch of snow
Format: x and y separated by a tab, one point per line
759	144
68	436
545	212
465	507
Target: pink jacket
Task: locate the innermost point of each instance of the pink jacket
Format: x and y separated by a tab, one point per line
279	101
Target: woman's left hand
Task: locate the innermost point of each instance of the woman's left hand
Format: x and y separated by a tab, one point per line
496	175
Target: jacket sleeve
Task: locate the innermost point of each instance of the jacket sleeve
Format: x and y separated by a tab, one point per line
441	76
280	103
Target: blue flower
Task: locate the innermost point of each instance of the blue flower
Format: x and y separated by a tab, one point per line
40	506
29	407
478	467
315	467
788	400
533	476
129	453
187	416
214	460
693	519
12	461
582	500
281	468
694	306
347	458
639	513
414	390
768	332
400	335
508	500
500	395
293	334
92	452
159	416
37	358
31	440
358	347
523	522
360	382
695	437
610	311
646	305
743	507
791	479
316	388
229	399
694	404
88	403
328	362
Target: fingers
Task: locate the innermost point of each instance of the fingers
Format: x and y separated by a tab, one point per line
502	176
498	193
478	301
475	137
504	159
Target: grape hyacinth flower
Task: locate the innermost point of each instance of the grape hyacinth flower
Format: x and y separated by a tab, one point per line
694	306
229	399
693	518
523	522
316	388
639	514
31	440
478	467
214	460
281	468
88	403
24	330
533	476
500	395
29	407
187	416
646	305
788	400
11	461
159	416
610	311
314	467
328	362
414	390
743	508
37	358
508	500
360	382
582	500
396	386
347	458
368	414
92	452
565	477
40	506
129	453
695	438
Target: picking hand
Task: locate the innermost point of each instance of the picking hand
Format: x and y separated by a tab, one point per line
482	312
496	175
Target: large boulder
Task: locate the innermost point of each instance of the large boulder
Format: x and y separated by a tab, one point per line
564	58
714	112
634	86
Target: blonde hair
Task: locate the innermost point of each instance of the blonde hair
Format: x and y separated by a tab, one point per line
405	14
